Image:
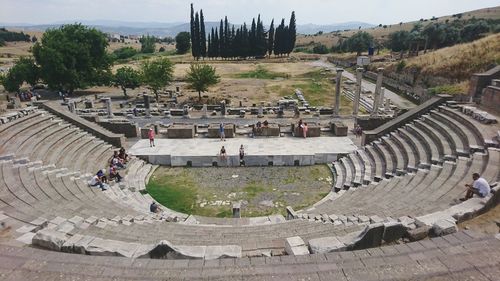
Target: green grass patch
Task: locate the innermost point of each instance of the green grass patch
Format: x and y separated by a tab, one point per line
254	188
447	89
177	192
261	72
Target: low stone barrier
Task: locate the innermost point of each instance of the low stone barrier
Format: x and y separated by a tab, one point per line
313	130
271	130
229	130
181	131
339	129
117	140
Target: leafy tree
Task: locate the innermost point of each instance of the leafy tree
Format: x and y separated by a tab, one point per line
359	42
72	57
474	30
126	78
182	43
434	34
201	76
399	40
148	44
157	74
24	70
124	53
320	49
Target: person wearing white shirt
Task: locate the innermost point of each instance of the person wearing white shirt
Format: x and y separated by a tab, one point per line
480	187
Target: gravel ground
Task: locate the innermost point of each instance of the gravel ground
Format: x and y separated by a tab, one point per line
261	190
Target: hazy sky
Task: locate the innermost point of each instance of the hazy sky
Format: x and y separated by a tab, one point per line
307	11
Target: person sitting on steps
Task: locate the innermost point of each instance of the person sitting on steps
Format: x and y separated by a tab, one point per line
96	181
223	154
154	208
113	173
480	187
122	155
117	162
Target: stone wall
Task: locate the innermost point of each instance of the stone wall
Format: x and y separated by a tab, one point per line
479	81
181	131
371	135
229	130
117	140
125	127
490	98
370	123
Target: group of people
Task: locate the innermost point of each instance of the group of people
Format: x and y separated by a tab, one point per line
302	128
223	154
117	162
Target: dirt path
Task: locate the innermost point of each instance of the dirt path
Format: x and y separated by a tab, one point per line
367	85
485	223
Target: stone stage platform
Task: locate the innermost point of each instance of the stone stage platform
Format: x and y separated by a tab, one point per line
204	152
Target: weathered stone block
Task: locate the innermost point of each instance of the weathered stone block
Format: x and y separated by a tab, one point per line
49	239
418	233
444	227
295	246
370	237
326	245
393	231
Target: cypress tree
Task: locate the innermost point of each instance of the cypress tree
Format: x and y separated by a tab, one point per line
209	47
261	46
203	39
221	39
193	40
292	33
245	42
278	39
212	45
252	38
216	45
226	38
270	40
196	45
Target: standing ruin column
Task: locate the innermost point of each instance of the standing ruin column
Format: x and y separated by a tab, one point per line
72	106
338	91
109	108
381	101
147	106
357	95
204	111
378	86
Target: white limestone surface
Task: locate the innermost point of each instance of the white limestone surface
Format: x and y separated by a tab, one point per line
258	151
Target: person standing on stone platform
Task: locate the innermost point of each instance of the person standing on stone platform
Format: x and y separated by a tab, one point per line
151	135
242	155
221	132
304	130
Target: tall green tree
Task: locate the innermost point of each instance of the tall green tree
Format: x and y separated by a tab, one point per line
148	44
200	77
292	34
24	70
216	44
227	35
157	74
222	46
399	41
127	78
72	57
270	40
196	45
194	41
182	42
203	38
359	42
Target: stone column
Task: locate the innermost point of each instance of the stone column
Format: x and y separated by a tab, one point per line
338	91
237	210
147	106
204	111
382	99
376	98
357	95
72	106
260	113
387	105
109	109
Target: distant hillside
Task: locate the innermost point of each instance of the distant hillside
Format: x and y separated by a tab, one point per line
381	32
172	29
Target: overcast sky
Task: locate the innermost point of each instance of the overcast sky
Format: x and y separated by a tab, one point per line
238	11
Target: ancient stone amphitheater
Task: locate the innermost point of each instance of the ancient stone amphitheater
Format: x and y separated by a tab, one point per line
402	184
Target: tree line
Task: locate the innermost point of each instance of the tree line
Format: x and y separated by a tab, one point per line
230	42
74	57
438	35
11	36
